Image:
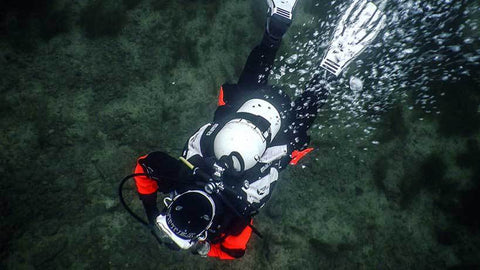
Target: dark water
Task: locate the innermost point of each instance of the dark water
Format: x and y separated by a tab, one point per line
88	86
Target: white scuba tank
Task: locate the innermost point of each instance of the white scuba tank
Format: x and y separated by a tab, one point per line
242	136
266	110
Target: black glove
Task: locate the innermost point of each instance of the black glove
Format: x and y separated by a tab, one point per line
201	248
161	167
163	239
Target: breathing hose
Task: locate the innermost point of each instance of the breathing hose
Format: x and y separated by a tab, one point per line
122	200
120	194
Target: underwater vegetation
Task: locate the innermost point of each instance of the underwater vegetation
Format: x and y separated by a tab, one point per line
103	18
88	86
460	104
23	22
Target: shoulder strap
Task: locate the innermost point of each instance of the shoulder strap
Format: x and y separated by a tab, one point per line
208	136
260	122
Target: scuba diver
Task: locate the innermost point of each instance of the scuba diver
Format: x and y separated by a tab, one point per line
229	167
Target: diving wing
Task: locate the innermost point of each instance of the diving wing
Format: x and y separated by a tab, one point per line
357	28
282	8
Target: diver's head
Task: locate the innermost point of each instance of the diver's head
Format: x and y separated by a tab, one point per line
188	217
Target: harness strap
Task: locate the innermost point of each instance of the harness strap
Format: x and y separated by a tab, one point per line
261	123
210	133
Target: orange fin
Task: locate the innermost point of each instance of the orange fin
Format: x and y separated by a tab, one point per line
220	97
297	155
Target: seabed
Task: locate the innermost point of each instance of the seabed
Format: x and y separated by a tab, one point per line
86	87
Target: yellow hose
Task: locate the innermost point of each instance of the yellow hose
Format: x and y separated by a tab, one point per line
186	162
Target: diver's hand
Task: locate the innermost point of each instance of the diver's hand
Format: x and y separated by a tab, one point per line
153	165
162	238
201	248
161	167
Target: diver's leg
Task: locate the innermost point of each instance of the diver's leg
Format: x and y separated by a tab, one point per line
305	110
260	60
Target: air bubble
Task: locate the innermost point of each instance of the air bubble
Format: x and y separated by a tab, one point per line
356	84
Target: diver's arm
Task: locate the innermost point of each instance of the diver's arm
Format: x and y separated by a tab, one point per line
162	171
149	202
232	247
147	193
